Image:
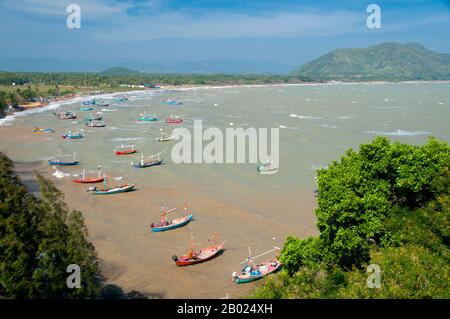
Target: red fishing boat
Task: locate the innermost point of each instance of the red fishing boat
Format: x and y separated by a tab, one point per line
122	150
89	180
198	256
173	120
84	180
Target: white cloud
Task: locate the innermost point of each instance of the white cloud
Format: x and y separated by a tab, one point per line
108	21
227	25
89	8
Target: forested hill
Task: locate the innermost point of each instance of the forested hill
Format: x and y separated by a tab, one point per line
386	62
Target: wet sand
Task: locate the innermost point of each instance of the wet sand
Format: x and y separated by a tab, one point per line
134	258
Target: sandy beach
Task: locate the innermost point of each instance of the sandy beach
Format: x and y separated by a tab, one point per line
134	258
317	124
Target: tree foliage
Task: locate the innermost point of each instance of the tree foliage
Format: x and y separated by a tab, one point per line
115	79
387	204
39	238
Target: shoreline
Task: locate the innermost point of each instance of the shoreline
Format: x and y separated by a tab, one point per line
133	258
85	97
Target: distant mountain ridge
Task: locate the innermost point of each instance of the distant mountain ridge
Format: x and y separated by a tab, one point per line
388	61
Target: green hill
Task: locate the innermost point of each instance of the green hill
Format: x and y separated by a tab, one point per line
387	61
119	71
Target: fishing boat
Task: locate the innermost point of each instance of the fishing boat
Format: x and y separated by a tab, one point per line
96	117
73	135
101	103
122	150
59	161
90	102
164	137
147	118
168	224
173	120
84	180
152	162
65	115
171	101
251	271
111	190
95	124
121	99
266	167
198	256
86	108
43	130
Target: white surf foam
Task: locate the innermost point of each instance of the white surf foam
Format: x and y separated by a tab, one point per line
54	105
125	139
345	117
399	133
309	117
59	174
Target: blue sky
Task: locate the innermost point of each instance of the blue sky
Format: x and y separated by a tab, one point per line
288	32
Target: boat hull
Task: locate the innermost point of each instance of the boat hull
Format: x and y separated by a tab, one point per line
63	163
242	279
147	119
186	262
156	163
128	188
96	125
89	180
126	152
173	226
173	121
48	130
265	169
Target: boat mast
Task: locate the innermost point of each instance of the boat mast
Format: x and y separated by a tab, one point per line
250	258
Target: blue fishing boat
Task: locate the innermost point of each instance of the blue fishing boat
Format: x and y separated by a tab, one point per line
73	135
63	163
166	224
101	103
147	118
96	117
90	102
121	99
86	108
172	102
43	130
59	161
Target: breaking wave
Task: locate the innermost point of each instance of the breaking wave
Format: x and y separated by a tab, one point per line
399	133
